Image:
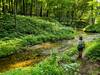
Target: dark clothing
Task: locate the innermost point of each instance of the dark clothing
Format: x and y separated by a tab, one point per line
80	54
80	47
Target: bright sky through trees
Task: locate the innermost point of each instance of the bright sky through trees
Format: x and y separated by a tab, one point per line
98	0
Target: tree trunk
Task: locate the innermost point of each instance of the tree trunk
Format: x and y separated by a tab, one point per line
92	19
31	7
9	6
12	10
3	8
15	5
23	7
36	8
41	11
47	14
72	16
0	7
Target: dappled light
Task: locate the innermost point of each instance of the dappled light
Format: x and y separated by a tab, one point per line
49	37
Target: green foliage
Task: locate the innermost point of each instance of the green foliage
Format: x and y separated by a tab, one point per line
25	25
93	50
93	28
69	55
80	24
29	31
28	25
19	71
8	47
49	66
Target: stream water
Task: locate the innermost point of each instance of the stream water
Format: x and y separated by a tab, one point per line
33	55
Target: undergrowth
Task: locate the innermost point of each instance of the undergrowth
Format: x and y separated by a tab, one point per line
53	65
93	28
29	31
93	50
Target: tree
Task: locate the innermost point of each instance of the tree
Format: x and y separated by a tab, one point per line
92	15
31	8
67	11
3	7
23	7
0	7
15	8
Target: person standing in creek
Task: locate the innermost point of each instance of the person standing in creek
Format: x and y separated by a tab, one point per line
80	47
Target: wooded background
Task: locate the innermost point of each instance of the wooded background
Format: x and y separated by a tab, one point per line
69	12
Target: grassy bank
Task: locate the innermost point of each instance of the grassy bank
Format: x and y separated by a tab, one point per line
93	50
60	64
29	31
54	65
26	25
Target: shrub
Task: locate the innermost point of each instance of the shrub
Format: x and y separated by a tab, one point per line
93	50
93	28
9	46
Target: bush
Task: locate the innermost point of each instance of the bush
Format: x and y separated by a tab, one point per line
9	46
80	24
93	28
93	50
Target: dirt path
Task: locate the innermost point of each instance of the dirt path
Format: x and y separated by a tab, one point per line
32	55
89	68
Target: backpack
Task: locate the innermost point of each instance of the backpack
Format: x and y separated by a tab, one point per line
81	45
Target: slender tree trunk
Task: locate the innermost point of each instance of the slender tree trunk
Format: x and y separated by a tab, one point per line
31	7
15	12
9	6
16	6
36	8
92	19
12	10
47	14
41	11
0	7
3	8
67	15
23	7
72	15
26	8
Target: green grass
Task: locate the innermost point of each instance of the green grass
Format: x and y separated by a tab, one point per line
27	25
50	66
93	50
29	31
8	47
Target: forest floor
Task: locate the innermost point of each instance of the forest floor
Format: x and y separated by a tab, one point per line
34	54
88	67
